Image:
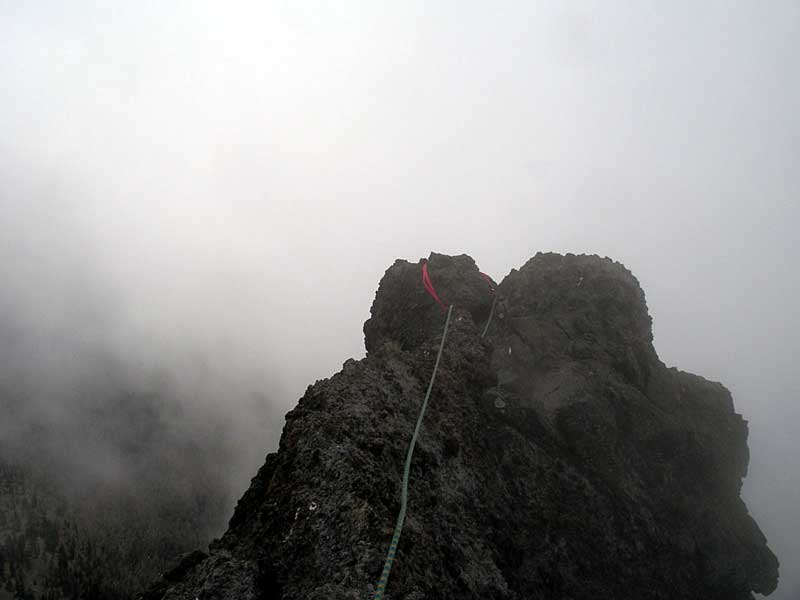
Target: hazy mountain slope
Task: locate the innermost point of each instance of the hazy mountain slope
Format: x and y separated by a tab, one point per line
135	484
43	554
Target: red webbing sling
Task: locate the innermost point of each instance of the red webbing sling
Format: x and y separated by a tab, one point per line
488	280
426	281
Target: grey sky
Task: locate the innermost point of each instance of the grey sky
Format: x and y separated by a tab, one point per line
190	183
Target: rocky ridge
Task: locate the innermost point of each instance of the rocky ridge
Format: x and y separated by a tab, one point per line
559	458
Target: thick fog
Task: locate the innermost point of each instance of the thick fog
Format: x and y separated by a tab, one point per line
198	199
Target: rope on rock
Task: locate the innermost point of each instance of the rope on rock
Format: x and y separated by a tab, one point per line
494	302
491	314
401	517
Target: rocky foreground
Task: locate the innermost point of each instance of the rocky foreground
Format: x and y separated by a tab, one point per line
559	458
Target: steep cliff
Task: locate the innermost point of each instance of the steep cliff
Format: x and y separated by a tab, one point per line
559	457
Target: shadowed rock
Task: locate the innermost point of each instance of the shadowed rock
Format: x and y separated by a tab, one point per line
559	457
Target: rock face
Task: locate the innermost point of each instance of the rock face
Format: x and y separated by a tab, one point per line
559	457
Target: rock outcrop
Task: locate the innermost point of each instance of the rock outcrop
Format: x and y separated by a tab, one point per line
559	458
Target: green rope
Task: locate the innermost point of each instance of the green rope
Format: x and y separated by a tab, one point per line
491	313
398	528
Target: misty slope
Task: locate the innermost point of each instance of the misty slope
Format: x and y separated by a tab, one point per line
559	458
44	553
131	488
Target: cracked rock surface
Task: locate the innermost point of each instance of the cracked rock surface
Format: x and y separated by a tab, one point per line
559	458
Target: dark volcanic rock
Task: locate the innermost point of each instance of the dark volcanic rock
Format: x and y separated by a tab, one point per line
559	457
403	313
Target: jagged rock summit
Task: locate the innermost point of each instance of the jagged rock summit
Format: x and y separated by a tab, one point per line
559	457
